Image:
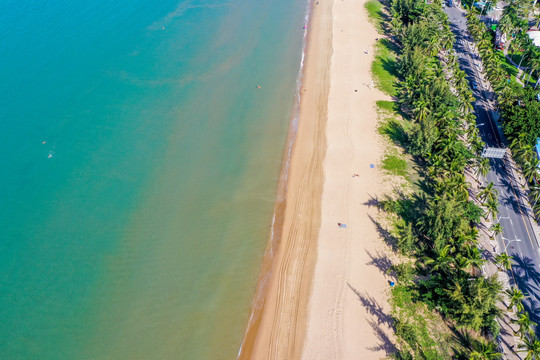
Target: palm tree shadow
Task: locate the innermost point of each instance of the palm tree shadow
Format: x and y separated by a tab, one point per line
385	343
381	261
525	270
395	131
373	308
388	238
373	201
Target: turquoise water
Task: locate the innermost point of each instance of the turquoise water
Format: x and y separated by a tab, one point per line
139	171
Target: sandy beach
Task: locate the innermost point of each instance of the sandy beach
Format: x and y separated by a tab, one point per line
348	309
324	292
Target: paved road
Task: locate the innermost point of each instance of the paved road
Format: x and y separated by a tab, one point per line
517	239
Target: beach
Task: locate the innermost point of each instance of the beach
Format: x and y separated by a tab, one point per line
326	294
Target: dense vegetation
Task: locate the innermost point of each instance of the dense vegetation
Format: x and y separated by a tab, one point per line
435	225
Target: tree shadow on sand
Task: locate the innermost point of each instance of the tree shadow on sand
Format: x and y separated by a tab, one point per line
373	307
385	344
373	201
388	238
381	319
380	260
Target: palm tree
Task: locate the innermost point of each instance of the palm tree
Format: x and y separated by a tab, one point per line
458	186
492	208
442	262
516	297
482	167
505	96
473	255
406	239
532	347
456	291
497	229
421	109
535	64
534	194
488	193
530	169
504	261
525	324
466	107
527	52
536	210
460	80
485	350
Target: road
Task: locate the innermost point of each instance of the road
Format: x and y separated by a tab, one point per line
517	238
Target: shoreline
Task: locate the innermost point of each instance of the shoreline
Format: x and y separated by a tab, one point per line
293	236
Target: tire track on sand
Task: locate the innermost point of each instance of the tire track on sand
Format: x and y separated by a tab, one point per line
292	284
304	211
293	287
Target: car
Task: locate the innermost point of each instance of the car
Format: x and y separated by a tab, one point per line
474	85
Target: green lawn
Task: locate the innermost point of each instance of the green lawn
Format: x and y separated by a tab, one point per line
384	67
374	9
511	69
506	64
395	165
389	106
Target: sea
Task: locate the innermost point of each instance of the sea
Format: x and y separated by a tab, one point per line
141	144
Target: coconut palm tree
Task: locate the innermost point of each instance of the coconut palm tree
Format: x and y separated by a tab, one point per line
530	169
473	255
525	324
460	79
466	107
485	350
516	297
492	208
504	261
532	347
482	167
505	96
421	109
535	64
536	210
534	194
443	262
488	193
497	229
527	52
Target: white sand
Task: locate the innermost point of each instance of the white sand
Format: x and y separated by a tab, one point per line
348	309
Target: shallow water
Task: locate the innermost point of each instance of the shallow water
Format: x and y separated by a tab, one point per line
139	172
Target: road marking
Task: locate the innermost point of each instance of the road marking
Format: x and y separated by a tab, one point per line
511	179
519	201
